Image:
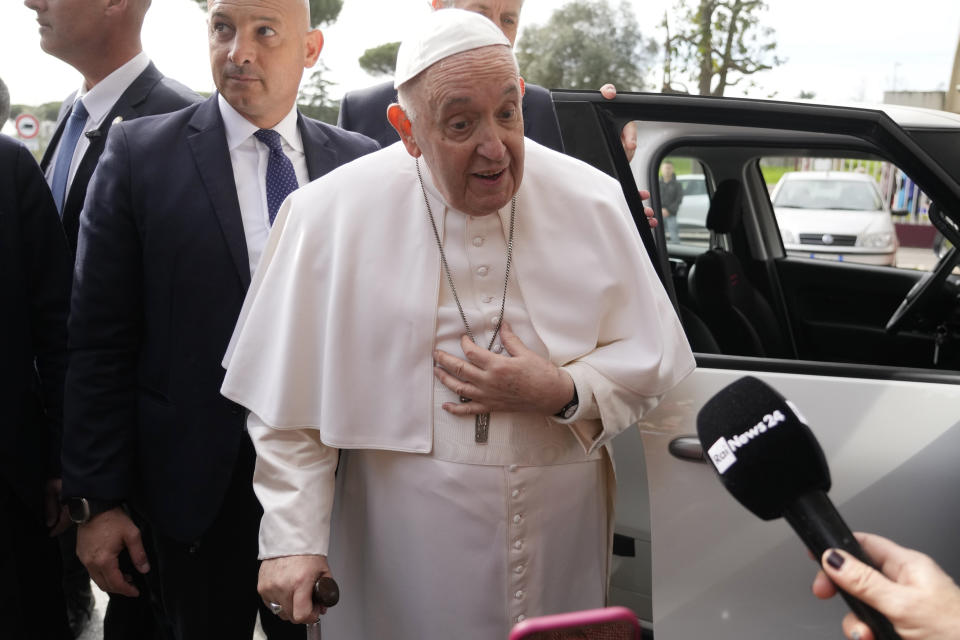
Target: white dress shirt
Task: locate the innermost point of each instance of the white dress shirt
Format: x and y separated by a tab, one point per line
99	102
249	158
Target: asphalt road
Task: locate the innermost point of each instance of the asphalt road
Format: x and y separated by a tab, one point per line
910	258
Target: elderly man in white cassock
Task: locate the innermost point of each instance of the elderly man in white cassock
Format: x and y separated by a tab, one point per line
463	321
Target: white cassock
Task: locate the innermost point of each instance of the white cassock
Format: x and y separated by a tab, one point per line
429	534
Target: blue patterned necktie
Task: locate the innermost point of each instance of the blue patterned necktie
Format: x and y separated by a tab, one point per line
68	144
281	178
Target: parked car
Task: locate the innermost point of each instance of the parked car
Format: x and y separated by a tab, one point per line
870	355
692	215
839	215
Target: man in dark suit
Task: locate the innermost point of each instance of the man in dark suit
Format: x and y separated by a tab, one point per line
176	217
35	270
365	110
119	83
102	42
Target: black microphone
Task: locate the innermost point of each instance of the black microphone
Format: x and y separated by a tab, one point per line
768	458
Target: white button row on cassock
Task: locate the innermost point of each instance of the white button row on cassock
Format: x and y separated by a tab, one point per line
519	558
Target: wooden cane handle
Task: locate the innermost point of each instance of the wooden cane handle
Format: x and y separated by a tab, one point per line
326	593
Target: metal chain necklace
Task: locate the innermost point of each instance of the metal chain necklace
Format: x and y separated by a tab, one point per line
482	422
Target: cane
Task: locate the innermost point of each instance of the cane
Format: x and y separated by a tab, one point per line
326	593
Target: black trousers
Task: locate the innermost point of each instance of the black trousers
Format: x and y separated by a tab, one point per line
31	595
208	589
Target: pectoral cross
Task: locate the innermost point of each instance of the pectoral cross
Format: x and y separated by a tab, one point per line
481	425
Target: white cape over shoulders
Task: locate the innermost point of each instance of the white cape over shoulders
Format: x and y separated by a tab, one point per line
338	327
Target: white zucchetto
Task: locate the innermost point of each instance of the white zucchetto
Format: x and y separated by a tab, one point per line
440	35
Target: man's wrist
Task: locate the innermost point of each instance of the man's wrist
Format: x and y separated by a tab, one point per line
82	510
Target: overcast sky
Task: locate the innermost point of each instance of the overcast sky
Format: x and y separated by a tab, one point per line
841	49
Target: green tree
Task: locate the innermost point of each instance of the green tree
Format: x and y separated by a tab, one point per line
314	99
321	11
721	42
585	44
380	61
46	111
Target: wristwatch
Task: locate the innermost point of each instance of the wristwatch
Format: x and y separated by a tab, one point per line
82	509
570	408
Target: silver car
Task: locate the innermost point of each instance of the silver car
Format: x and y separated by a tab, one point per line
838	215
692	215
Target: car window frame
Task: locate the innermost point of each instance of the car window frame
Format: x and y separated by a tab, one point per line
876	132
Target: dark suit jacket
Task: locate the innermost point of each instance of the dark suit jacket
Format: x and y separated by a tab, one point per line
365	111
35	272
150	94
161	273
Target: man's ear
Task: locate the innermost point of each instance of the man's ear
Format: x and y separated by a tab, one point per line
398	118
523	87
314	47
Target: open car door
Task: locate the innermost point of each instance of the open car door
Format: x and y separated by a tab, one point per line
688	558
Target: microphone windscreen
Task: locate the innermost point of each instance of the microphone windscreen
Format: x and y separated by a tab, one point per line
761	447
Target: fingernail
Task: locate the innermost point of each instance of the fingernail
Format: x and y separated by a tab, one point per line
835	560
143	568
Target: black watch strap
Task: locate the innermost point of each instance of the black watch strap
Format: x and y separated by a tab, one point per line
570	408
83	509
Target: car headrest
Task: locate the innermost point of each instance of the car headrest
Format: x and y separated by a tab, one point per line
724	213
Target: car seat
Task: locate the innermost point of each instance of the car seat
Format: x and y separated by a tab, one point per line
738	316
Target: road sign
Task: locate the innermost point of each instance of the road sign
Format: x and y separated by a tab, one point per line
27	126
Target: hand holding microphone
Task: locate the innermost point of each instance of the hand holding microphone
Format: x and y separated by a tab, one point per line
915	594
768	458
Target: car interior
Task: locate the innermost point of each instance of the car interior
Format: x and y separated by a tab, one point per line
754	300
740	294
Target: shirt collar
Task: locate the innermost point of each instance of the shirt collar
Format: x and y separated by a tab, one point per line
100	99
239	129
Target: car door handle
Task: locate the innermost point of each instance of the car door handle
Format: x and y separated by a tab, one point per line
687	448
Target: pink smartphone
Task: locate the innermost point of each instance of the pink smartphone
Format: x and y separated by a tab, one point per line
610	623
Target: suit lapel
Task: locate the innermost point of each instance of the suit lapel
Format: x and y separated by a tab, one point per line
320	155
208	142
126	108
